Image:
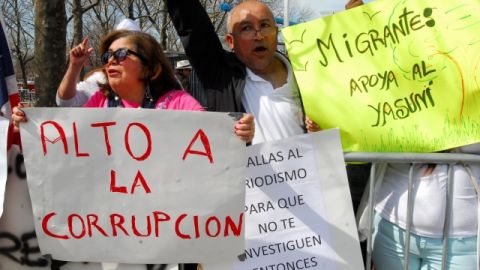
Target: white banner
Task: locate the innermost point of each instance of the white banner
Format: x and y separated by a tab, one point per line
4	122
298	208
135	186
18	242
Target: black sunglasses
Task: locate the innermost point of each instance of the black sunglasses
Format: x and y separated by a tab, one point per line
120	55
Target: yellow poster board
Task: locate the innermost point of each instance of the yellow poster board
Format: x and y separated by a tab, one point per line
394	76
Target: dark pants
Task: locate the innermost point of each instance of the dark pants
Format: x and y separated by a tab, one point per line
358	175
188	266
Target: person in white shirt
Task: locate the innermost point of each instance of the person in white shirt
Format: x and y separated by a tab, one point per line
429	216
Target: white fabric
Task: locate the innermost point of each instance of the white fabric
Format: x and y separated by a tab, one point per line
109	266
429	198
277	112
183	64
11	82
477	189
85	89
127	24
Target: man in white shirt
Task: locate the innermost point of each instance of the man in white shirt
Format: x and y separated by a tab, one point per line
253	77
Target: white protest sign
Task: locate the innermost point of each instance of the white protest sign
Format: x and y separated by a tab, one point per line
18	242
4	122
135	186
298	211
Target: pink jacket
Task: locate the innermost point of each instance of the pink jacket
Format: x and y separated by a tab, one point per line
172	100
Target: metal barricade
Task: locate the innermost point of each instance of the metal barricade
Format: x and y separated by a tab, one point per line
450	159
27	96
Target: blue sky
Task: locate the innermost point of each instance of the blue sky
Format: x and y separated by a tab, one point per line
322	6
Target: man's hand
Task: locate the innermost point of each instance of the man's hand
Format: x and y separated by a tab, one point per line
245	128
311	125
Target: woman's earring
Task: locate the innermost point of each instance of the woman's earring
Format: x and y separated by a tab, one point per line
148	94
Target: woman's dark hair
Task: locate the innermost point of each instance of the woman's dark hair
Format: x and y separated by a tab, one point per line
153	60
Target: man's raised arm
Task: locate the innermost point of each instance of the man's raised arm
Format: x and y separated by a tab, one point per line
199	38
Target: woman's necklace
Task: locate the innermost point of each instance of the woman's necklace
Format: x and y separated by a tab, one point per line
115	101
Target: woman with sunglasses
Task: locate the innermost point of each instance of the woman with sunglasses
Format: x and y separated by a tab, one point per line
140	76
70	92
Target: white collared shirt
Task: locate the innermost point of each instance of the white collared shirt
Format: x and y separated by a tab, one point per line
278	113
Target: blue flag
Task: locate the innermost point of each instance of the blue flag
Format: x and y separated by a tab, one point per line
8	82
8	85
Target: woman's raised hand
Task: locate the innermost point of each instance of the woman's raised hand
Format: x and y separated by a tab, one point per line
80	53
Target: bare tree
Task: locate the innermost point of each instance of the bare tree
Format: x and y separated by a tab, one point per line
77	14
154	14
126	7
50	47
99	21
95	17
19	28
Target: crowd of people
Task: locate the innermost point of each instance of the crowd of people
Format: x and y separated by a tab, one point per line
255	79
